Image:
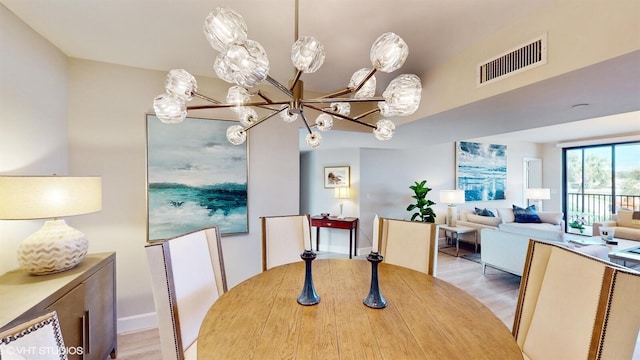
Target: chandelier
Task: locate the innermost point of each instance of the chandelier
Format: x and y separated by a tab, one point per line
244	62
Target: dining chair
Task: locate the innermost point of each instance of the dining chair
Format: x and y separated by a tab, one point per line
188	276
284	238
411	244
575	306
38	338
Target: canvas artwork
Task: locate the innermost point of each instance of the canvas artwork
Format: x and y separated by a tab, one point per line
481	170
195	178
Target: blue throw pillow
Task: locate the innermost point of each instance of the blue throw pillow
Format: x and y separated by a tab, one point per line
527	215
485	212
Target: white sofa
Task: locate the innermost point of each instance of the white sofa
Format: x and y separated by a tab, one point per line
625	226
550	228
507	251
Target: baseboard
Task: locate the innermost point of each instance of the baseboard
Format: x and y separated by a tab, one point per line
137	322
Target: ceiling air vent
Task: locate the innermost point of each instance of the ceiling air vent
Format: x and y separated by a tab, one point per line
523	57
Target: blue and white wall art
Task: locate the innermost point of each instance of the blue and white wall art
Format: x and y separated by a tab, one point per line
195	178
481	170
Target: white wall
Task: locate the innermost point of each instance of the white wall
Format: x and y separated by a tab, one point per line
33	123
104	134
384	177
107	137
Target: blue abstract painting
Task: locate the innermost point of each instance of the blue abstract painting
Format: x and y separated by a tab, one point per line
481	170
195	178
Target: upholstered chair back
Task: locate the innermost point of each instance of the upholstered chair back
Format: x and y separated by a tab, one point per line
284	239
39	338
188	276
409	243
575	306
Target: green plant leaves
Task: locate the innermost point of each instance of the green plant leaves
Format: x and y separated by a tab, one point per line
423	205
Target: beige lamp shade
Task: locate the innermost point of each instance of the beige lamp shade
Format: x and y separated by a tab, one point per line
42	197
538	194
341	192
56	246
452	196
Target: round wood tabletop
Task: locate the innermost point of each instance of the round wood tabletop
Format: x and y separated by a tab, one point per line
426	318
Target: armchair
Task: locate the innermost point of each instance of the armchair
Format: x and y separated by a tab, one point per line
625	223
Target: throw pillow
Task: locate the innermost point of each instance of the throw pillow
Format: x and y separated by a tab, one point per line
551	217
526	215
485	212
484	220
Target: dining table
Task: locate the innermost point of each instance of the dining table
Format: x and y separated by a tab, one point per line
425	317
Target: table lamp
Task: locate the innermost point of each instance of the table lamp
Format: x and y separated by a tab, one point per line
341	192
452	197
537	195
56	246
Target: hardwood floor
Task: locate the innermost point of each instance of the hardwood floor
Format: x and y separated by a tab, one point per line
497	290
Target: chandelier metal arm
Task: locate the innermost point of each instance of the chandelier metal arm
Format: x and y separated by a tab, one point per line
350	90
344	117
304	119
279	86
204	97
323	100
218	105
265	97
294	82
274	113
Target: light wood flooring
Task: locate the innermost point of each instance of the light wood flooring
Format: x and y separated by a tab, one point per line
497	290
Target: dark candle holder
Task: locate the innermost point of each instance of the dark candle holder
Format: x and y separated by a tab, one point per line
308	295
374	299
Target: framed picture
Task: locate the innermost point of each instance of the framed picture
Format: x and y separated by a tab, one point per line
336	176
195	178
481	170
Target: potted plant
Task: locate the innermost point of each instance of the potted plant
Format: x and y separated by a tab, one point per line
424	212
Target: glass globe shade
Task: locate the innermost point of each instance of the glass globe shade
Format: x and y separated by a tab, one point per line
287	116
342	108
245	64
169	109
402	96
324	122
384	129
247	115
368	89
307	54
314	139
238	95
236	134
180	84
224	27
222	70
389	52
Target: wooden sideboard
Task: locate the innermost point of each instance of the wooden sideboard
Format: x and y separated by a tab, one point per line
84	298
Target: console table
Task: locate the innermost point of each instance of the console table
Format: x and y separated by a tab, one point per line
84	298
348	223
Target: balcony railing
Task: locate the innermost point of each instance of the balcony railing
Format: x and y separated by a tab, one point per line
597	207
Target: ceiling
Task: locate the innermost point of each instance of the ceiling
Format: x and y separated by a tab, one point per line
167	34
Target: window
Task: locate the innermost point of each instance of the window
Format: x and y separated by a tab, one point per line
599	180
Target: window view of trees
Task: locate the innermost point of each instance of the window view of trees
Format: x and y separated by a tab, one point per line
600	180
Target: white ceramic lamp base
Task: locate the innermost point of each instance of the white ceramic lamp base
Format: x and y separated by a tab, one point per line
452	215
55	247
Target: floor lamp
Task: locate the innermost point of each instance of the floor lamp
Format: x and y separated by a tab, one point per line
452	197
537	195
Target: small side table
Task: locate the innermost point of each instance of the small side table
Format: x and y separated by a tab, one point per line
454	232
348	223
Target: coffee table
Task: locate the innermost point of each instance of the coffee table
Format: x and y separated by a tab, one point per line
624	251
